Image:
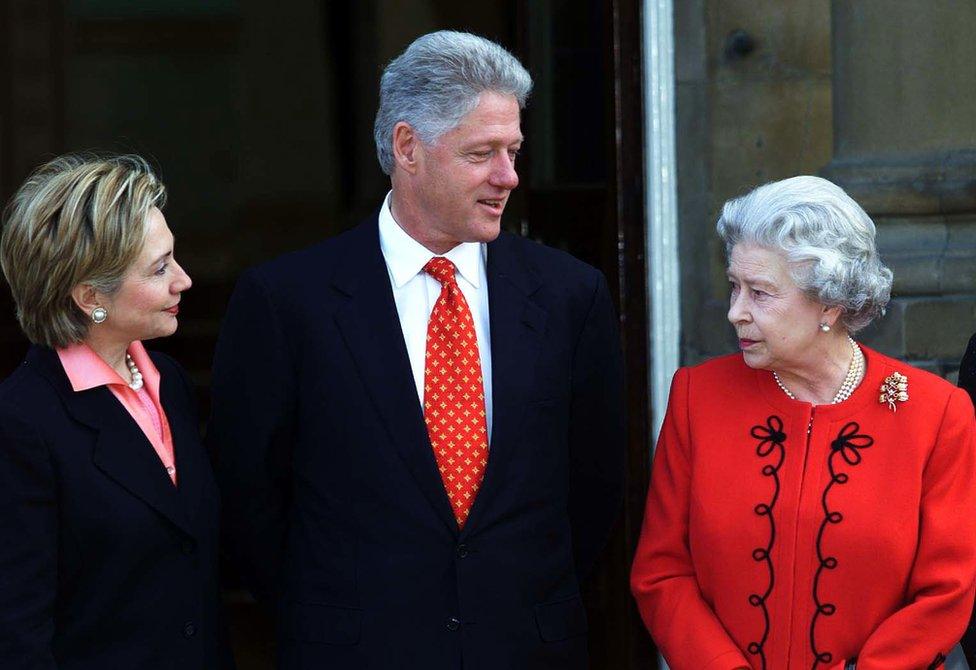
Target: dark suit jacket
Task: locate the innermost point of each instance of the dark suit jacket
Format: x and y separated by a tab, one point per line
333	501
967	380
104	564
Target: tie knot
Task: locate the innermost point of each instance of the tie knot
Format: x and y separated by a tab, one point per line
440	269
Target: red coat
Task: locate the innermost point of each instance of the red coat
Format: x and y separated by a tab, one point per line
782	535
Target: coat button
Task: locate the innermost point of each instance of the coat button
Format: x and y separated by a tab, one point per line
453	623
462	551
188	547
189	629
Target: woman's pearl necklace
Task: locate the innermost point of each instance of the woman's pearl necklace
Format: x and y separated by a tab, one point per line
136	382
854	375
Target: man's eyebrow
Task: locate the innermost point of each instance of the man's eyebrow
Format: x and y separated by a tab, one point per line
487	142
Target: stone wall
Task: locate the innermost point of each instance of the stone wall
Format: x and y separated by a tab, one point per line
754	105
905	148
873	95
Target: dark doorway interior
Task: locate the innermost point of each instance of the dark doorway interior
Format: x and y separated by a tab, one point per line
260	122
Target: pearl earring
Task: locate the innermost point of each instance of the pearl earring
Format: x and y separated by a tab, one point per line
99	314
824	328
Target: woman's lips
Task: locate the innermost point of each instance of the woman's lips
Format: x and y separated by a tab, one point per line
745	344
174	310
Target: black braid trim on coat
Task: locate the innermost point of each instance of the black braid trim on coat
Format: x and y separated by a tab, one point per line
771	438
846	446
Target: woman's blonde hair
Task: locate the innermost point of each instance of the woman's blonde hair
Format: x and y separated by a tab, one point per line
77	219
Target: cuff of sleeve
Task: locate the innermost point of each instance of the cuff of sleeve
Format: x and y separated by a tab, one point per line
728	661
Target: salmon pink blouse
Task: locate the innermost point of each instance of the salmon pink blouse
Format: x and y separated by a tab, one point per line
86	370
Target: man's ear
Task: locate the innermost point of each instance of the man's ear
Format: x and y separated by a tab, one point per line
407	150
86	297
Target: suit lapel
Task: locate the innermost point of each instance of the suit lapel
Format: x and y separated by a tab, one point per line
121	450
517	328
371	330
191	463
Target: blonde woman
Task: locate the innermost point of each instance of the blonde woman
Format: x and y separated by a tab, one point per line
108	508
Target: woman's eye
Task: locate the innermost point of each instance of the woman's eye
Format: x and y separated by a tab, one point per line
162	269
759	294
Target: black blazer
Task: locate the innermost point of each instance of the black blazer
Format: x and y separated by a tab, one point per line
333	501
967	380
104	564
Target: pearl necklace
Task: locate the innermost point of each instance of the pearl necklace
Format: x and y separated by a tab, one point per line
854	375
136	382
135	385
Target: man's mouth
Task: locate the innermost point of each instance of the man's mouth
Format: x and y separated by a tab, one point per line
495	205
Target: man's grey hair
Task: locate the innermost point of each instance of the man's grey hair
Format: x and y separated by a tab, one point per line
826	237
437	81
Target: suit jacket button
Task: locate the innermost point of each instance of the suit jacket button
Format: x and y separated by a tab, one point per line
462	551
187	547
189	630
453	623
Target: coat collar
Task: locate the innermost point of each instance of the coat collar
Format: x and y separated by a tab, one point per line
877	367
122	451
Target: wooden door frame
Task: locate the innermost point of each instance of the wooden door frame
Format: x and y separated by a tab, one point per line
617	637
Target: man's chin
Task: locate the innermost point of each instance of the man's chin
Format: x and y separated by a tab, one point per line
491	236
487	231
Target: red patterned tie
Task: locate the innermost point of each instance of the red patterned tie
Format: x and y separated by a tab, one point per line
454	398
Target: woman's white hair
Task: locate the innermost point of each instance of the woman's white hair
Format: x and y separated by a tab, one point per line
826	237
437	81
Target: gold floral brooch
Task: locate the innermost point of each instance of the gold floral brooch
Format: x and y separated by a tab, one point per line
894	389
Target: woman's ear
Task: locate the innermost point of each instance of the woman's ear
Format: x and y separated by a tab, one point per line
86	297
831	315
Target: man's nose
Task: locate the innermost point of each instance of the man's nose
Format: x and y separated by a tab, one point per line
503	174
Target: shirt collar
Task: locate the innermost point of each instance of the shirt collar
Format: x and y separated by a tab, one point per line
86	369
406	257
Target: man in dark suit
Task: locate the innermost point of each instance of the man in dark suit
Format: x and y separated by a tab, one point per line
419	421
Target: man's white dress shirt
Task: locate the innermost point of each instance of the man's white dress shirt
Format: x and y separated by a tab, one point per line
416	292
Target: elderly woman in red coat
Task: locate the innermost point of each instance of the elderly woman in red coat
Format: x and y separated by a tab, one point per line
812	501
